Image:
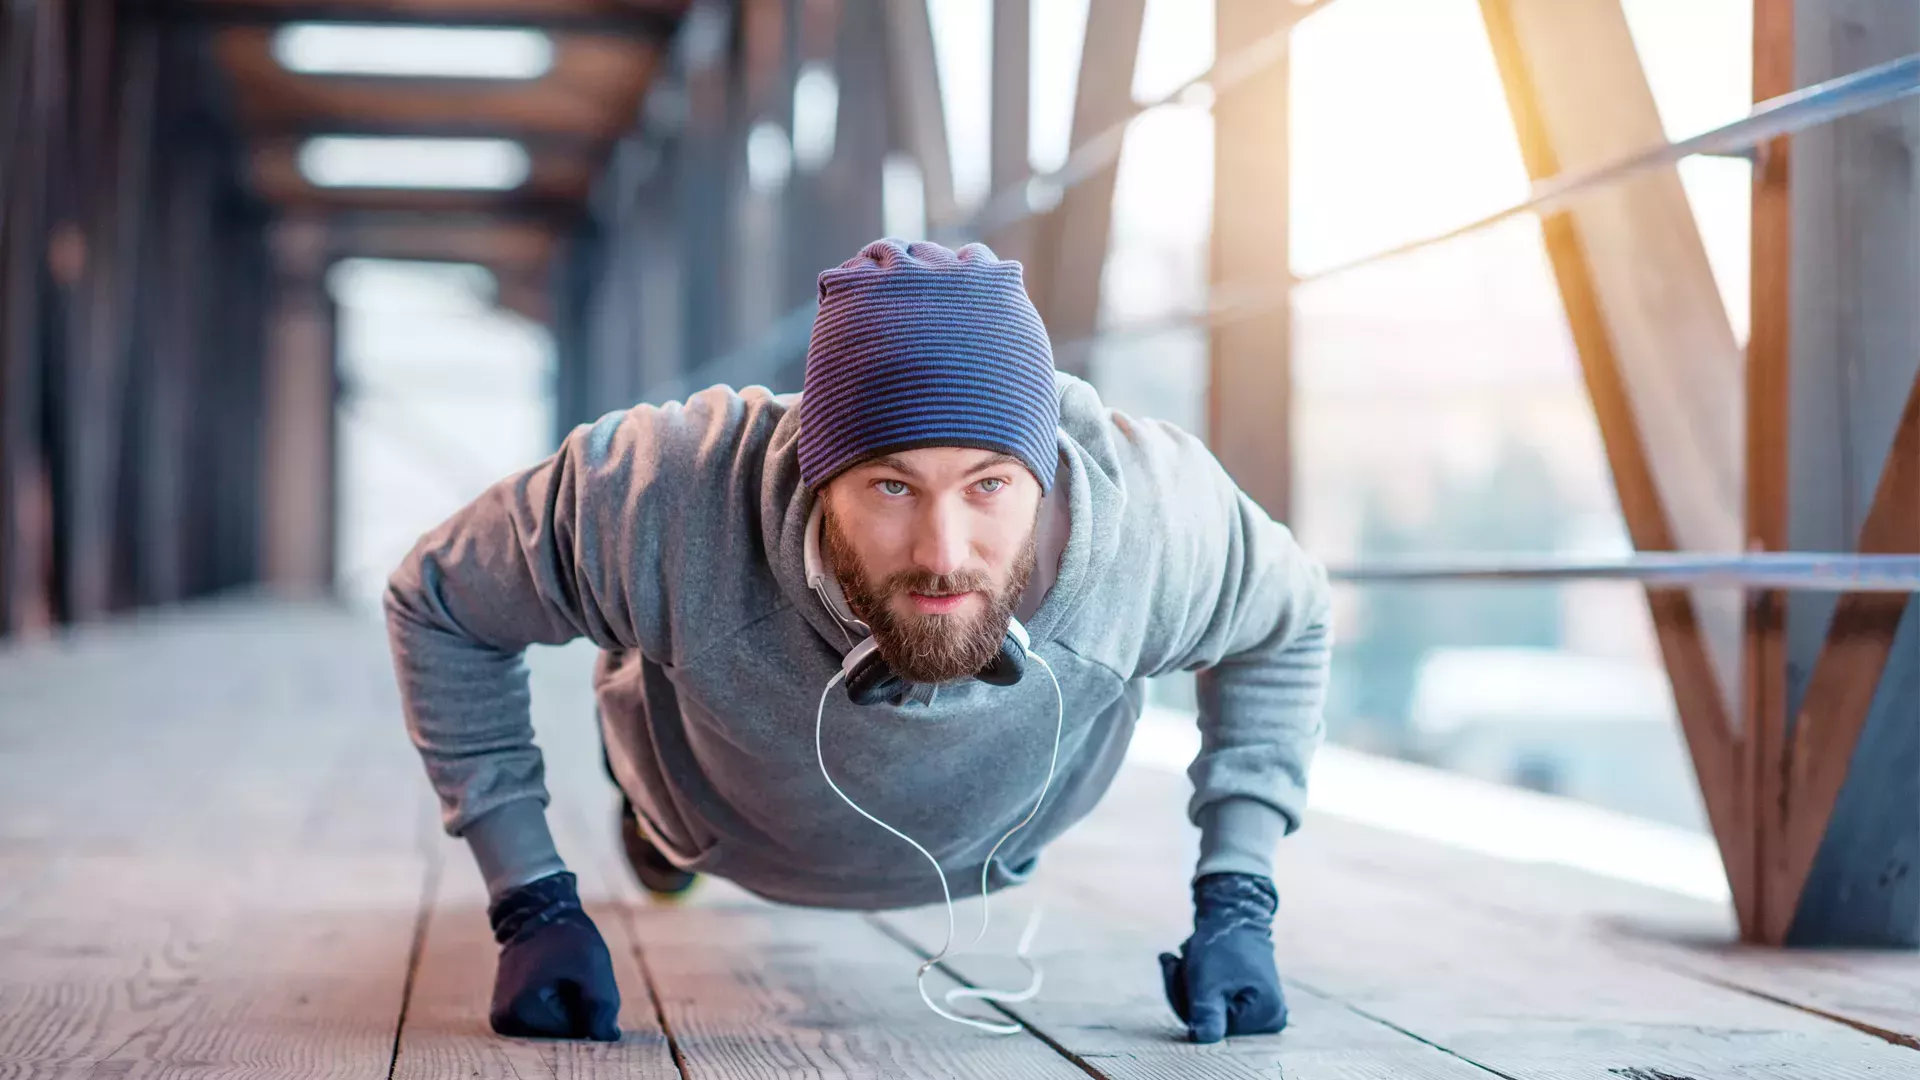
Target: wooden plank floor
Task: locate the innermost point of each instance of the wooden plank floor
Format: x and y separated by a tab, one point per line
219	858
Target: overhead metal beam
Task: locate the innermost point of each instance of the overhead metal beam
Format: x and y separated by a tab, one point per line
651	23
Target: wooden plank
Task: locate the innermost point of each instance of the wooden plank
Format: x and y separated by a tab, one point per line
1657	351
1518	998
208	966
1876	991
747	989
1250	373
225	736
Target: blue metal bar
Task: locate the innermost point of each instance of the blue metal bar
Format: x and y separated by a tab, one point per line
1805	108
1792	570
1808	107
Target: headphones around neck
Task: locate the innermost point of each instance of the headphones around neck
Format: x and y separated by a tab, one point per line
868	678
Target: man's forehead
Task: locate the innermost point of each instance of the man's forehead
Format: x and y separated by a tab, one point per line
928	460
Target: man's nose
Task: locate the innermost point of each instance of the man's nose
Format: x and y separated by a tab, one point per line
940	543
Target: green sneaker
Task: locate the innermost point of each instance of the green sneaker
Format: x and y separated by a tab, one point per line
656	872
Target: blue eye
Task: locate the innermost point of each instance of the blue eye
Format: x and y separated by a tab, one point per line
888	487
995	481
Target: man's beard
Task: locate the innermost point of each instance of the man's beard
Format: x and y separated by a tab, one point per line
929	648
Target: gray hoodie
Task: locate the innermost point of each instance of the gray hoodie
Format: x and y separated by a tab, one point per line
672	536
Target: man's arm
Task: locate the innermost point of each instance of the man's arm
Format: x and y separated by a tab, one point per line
1261	700
531	561
1251	615
1255	625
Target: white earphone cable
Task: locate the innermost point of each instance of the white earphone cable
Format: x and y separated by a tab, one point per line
1022	953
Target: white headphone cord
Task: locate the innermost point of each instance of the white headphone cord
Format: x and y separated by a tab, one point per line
986	909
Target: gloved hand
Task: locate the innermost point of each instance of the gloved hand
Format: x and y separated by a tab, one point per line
555	978
1224	981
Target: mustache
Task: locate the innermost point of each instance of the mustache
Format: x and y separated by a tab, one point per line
931	584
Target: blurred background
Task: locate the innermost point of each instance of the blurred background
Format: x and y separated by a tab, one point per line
288	282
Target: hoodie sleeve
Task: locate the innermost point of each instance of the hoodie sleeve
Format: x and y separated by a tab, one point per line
1250	613
544	556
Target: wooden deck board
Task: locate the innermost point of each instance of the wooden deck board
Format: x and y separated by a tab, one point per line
446	1032
208	966
1102	1001
1875	989
1519	997
752	990
218	852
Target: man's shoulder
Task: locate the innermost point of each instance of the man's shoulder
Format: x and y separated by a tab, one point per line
715	427
1157	466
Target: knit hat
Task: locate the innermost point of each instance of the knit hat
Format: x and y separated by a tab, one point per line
916	345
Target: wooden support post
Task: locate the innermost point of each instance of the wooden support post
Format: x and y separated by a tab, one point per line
296	492
1074	235
1250	380
1010	162
1763	659
1846	869
1658	354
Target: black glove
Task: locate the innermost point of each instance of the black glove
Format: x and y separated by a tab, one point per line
1224	981
556	977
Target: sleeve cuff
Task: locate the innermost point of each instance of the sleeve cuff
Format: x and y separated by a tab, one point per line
512	845
1239	836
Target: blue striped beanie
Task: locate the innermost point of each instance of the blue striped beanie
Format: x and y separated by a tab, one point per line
916	345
